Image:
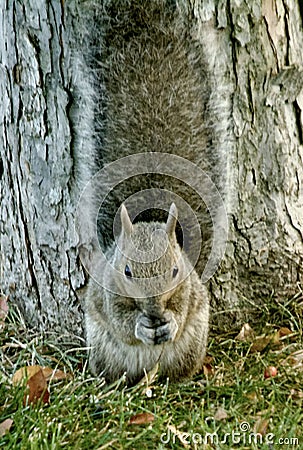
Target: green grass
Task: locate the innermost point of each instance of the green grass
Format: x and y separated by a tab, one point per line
84	413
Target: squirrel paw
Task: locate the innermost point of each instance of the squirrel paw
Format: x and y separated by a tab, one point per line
154	330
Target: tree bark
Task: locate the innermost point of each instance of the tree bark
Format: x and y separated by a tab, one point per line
39	267
262	45
265	250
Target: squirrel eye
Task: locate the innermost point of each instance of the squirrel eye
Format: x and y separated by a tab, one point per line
128	272
175	271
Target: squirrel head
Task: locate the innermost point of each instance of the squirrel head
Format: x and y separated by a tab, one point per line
149	257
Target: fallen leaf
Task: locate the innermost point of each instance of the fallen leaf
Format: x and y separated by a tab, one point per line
260	344
24	374
37	389
142	419
208	370
284	331
56	375
208	359
275	339
27	372
36	384
261	426
278	337
47	372
3	310
5	426
220	414
246	333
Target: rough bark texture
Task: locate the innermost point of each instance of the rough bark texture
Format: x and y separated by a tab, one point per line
264	255
39	268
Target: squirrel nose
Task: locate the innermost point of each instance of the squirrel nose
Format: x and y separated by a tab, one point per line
152	307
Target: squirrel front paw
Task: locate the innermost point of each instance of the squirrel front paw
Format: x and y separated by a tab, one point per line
154	330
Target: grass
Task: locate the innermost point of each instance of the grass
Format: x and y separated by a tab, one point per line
212	411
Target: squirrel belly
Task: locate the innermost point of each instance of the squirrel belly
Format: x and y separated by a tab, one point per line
156	311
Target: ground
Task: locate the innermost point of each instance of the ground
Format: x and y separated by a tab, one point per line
249	396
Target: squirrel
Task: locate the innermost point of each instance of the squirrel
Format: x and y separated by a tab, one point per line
143	84
154	312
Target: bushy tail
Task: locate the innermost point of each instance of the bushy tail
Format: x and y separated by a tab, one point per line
146	80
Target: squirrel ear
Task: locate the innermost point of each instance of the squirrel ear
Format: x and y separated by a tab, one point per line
127	226
172	220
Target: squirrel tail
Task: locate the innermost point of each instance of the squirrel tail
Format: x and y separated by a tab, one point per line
148	76
114	23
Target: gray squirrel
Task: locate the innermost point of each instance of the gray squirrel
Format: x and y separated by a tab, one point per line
144	87
160	312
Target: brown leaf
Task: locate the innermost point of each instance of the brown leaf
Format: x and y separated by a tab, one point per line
208	359
25	373
246	333
56	375
277	338
36	383
3	310
207	367
261	426
284	331
260	344
37	389
220	414
208	370
49	374
5	426
142	419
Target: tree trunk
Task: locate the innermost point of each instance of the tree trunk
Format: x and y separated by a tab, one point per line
262	45
39	267
265	250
